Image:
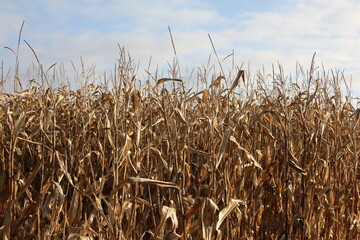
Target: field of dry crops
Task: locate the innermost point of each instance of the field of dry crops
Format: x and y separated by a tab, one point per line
280	161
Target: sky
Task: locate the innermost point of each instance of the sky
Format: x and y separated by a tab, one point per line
257	33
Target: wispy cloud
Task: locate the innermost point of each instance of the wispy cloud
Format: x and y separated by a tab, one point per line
290	32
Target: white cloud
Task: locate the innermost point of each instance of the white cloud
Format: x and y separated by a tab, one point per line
9	33
290	34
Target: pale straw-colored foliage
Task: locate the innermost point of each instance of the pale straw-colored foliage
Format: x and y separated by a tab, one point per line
159	162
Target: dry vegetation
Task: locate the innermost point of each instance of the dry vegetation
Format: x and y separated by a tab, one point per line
277	161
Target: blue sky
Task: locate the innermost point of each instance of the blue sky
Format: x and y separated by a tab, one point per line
261	33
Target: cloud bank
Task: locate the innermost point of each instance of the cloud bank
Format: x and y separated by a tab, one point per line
287	32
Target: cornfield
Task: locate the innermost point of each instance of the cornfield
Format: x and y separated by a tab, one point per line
158	161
